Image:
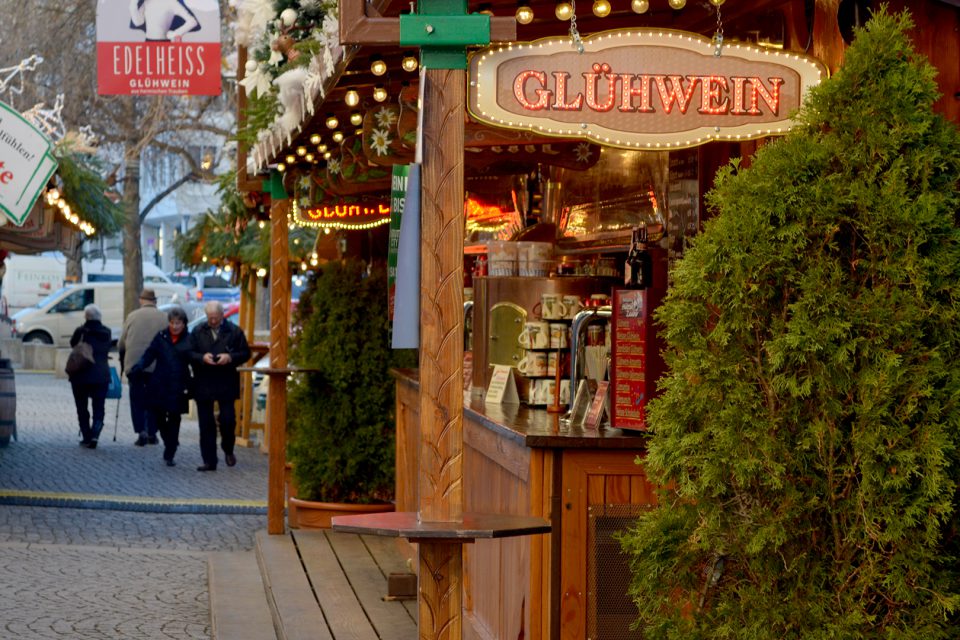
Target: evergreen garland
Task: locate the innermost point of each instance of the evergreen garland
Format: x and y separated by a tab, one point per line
809	423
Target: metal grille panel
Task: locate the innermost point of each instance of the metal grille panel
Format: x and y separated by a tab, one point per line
610	612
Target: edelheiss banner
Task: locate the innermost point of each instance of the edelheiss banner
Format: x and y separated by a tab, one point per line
158	47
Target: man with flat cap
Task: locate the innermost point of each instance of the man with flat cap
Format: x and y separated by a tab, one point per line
139	329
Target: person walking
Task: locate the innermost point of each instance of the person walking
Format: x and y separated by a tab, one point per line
139	330
218	349
167	389
90	384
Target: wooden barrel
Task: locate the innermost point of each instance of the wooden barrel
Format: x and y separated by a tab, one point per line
8	403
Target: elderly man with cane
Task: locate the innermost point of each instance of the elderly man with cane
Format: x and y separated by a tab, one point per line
139	330
218	349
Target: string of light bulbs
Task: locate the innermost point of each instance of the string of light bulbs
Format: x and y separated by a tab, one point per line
564	10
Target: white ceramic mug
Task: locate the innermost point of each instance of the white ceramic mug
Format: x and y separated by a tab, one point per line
535	335
543	391
552	363
558	335
533	364
573	305
551	308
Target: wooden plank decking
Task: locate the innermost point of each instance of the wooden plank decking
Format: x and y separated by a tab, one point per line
324	585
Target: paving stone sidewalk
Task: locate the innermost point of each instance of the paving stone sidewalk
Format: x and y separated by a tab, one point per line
111	570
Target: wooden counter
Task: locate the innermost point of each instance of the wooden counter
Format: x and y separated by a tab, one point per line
569	584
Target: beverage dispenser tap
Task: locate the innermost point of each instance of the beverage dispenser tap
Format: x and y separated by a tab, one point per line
577	331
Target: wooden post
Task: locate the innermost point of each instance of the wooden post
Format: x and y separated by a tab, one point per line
277	391
441	347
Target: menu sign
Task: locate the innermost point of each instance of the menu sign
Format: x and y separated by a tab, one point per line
629	344
640	88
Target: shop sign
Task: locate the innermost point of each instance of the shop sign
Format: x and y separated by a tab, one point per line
643	89
158	47
363	215
26	164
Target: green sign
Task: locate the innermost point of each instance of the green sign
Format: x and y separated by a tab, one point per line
398	195
26	164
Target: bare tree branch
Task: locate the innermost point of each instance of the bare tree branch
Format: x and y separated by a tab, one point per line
190	177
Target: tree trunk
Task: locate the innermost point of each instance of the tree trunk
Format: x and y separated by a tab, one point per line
74	264
132	255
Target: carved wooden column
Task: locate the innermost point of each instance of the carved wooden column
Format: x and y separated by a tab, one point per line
828	45
441	347
276	425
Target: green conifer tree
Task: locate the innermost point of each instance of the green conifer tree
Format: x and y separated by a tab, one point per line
810	420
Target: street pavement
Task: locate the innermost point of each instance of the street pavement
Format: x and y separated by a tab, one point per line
112	543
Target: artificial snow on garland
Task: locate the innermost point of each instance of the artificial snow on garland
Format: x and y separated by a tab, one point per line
297	89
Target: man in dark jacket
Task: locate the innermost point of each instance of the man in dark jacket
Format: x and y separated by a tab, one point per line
218	348
90	384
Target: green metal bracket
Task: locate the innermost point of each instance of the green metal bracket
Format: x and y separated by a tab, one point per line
274	186
442	29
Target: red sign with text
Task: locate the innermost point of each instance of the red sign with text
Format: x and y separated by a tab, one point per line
158	47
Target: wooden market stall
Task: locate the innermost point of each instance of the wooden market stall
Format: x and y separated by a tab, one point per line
459	455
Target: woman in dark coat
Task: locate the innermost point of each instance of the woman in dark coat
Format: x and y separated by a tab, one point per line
166	391
91	383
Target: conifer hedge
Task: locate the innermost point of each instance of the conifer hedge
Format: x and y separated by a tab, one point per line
810	420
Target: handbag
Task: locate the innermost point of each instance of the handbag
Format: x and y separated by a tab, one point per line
80	358
114	389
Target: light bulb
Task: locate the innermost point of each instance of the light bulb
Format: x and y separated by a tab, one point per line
351	98
379	93
332	121
291	159
716	3
409	62
677	4
601	8
262	224
315	138
356	118
281	167
309	157
338	136
524	14
301	151
321	148
640	6
261	272
327	155
563	10
377	66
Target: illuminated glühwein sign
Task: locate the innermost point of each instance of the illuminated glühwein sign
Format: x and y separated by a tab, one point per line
362	215
640	88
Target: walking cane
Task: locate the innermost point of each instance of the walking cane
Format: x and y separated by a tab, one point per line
116	420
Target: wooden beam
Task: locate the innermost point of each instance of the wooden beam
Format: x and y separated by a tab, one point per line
356	27
244	183
277	391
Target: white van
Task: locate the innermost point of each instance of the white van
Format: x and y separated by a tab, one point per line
30	279
54	319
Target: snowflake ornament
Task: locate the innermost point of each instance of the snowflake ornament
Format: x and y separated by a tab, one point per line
582	152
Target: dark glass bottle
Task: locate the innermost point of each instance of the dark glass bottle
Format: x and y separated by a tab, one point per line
638	270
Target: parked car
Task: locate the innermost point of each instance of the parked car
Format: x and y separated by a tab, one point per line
203	287
29	279
53	319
